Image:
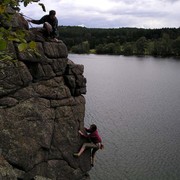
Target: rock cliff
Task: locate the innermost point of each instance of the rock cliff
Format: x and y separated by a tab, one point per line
41	110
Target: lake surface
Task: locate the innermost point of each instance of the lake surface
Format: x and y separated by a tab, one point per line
135	102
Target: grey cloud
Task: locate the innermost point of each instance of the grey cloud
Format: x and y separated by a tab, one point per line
138	12
170	1
121	13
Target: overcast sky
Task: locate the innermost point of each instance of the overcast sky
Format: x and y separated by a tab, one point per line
110	13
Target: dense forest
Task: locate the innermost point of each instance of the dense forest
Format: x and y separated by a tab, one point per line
122	41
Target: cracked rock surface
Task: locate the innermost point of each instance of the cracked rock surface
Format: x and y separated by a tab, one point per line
41	110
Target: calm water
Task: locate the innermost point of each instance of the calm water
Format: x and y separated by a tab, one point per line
135	102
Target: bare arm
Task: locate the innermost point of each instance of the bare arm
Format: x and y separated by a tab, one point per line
82	134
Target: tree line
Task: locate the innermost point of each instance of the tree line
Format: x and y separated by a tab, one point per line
121	41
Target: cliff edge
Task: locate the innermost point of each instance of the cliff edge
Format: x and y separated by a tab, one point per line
41	110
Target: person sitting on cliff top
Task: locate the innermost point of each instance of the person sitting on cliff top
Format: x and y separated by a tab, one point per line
50	24
95	142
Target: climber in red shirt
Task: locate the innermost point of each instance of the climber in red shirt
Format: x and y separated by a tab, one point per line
95	142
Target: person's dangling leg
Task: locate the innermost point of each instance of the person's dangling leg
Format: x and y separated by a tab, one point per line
93	155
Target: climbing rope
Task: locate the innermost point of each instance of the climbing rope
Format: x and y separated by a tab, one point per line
27	18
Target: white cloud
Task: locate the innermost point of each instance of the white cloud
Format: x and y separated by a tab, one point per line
111	13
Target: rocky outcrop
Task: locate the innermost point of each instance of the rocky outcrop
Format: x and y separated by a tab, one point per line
41	110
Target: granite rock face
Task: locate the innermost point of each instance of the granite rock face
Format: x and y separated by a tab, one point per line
41	110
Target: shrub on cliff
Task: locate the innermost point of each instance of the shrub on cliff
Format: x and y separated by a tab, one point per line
10	30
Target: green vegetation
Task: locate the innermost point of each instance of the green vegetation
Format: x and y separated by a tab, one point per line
122	41
8	33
